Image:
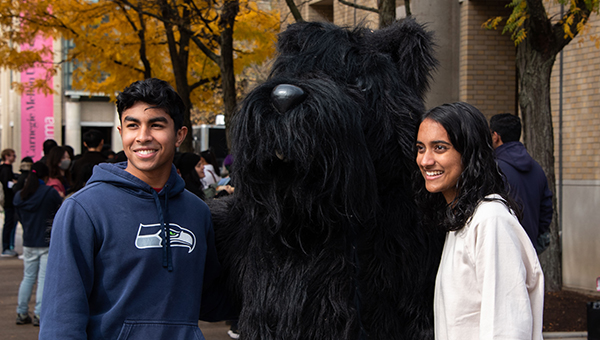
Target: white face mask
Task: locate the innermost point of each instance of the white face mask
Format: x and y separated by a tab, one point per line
65	164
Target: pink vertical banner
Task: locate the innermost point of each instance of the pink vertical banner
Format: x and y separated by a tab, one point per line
37	109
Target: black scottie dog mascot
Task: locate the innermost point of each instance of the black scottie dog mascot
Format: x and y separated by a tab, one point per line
321	239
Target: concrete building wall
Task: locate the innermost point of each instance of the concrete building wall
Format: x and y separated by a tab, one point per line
9	113
441	17
97	113
82	110
581	234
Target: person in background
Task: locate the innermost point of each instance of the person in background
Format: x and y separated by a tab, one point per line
225	186
7	178
110	155
527	181
93	140
186	165
59	162
48	145
84	176
24	169
489	283
132	253
120	157
225	179
211	173
35	207
71	153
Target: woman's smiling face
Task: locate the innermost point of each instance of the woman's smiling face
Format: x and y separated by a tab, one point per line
440	163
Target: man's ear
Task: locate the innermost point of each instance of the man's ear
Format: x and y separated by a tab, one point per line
181	133
85	144
496	139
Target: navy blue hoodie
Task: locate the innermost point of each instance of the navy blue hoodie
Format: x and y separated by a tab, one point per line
114	274
35	214
528	186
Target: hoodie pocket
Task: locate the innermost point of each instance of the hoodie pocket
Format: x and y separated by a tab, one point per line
146	329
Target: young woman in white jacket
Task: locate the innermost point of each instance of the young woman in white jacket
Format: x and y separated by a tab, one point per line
489	283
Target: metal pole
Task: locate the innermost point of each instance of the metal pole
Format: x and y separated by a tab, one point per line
560	136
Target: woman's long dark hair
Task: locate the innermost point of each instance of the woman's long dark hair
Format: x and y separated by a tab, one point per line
186	164
210	158
470	135
39	170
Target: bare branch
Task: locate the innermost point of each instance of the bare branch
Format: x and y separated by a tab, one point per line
294	10
204	81
365	8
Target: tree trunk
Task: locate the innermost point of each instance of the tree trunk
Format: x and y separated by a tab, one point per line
534	69
387	12
227	21
179	53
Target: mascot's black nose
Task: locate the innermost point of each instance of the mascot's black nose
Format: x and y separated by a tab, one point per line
286	96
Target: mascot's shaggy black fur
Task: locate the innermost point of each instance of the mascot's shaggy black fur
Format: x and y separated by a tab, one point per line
321	239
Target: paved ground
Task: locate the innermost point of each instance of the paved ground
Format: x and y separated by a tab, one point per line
11	273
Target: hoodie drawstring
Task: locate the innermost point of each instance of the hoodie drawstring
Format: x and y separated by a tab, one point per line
166	246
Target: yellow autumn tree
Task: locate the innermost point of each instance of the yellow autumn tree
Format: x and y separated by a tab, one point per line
197	46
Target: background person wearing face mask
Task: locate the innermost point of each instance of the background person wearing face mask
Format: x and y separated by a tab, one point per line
59	162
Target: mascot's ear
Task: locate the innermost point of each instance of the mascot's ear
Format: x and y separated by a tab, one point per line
411	48
302	35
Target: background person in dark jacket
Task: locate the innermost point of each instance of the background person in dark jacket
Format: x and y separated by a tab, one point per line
48	145
24	168
527	180
7	178
93	140
35	206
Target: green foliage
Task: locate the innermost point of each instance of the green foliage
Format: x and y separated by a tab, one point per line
514	23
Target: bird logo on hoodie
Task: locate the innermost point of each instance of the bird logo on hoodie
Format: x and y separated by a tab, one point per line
152	236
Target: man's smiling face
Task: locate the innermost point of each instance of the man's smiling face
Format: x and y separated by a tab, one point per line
149	142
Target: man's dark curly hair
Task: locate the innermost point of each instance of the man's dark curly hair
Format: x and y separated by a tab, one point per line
469	133
155	92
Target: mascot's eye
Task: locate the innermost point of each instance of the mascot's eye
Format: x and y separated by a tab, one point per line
360	84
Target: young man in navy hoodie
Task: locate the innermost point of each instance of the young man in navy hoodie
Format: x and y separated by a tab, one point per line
131	252
527	181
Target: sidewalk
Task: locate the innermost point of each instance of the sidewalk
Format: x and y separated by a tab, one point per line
11	274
